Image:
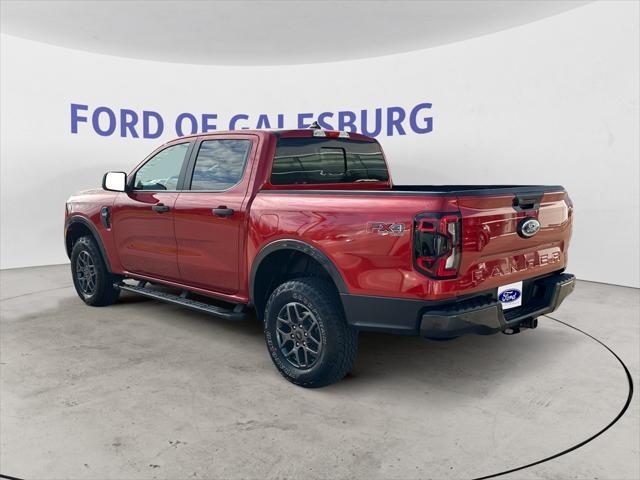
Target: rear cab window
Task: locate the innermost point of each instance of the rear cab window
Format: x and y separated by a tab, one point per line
324	160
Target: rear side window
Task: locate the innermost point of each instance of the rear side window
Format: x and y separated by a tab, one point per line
219	164
327	160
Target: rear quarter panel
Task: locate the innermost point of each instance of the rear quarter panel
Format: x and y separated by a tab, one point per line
337	224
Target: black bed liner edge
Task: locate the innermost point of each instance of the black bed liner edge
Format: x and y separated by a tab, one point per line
432	190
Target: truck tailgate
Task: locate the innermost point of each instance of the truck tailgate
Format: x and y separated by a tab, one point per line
496	251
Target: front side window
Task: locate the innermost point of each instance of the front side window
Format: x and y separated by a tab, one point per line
162	171
219	164
326	160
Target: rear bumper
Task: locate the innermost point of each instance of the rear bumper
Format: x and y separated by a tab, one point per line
487	318
481	314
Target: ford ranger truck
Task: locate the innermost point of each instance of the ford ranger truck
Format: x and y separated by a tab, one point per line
305	228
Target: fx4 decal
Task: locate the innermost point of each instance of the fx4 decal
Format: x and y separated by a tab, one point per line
383	228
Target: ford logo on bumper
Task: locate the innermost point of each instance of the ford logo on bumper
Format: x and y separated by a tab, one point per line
528	227
509	296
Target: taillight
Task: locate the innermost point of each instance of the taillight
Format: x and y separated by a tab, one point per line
437	239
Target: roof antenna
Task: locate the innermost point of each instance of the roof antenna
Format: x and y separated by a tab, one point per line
314	126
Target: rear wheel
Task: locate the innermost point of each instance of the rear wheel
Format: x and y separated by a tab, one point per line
307	335
92	280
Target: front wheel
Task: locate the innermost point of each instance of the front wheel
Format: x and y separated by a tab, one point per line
93	282
307	335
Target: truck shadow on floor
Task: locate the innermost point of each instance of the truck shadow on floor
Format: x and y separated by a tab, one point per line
468	363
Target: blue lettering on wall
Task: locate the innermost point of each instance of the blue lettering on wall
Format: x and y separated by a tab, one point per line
128	120
75	116
305	119
323	122
129	123
395	117
208	120
111	121
190	119
366	123
346	121
428	121
148	117
263	121
233	123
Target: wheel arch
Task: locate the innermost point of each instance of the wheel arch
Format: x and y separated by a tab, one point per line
77	227
282	259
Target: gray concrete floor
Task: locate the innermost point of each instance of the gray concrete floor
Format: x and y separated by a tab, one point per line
147	390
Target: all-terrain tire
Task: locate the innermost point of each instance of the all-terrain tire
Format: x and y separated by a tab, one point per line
320	305
92	280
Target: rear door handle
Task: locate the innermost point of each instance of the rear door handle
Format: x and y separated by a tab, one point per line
160	208
222	211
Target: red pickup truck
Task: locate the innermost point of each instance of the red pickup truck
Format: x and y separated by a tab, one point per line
306	228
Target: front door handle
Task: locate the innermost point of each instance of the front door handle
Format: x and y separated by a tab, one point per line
160	208
222	211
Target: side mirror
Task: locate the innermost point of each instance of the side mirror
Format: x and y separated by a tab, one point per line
115	181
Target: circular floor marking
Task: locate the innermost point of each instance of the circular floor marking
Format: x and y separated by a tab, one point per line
595	435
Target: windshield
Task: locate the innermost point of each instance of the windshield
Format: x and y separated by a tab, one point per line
327	160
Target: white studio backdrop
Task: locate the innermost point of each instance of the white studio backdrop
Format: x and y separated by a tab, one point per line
552	102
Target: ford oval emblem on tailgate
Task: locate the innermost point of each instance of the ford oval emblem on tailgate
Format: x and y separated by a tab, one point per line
528	227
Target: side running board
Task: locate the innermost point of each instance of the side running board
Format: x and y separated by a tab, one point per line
237	313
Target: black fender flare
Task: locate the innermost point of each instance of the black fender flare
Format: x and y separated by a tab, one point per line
300	246
94	232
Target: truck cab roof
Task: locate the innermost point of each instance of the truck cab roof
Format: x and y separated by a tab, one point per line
287	133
